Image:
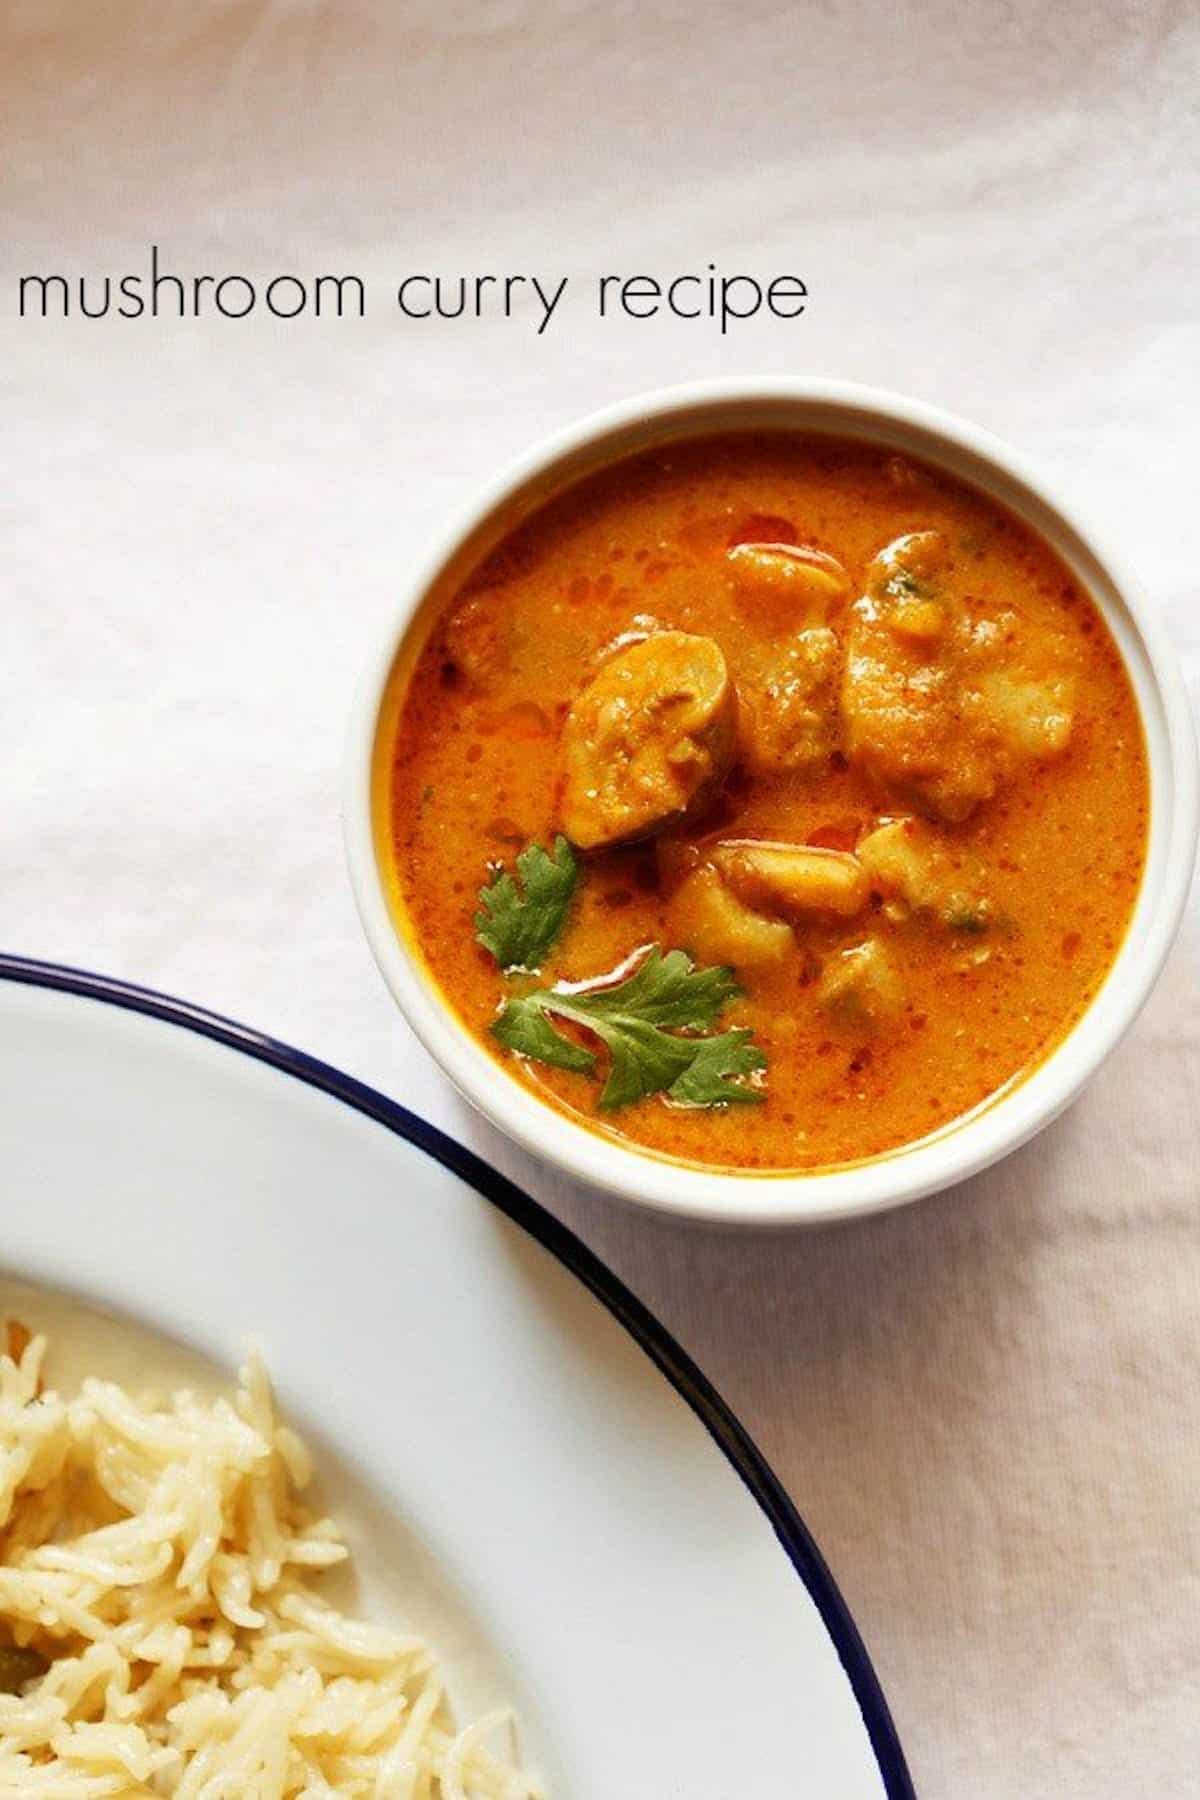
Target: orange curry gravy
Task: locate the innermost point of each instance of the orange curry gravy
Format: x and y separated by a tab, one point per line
987	965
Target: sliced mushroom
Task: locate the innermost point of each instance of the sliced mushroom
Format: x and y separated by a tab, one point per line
904	568
1031	718
648	741
477	640
788	711
793	878
707	918
916	874
809	584
903	862
861	990
938	706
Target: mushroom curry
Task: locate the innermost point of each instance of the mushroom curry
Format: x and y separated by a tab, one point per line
768	802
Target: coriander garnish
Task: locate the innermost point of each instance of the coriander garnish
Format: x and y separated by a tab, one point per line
520	924
638	1020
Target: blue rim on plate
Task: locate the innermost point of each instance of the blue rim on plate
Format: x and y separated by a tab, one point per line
639	1322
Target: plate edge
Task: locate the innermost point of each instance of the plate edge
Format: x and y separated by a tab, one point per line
668	1356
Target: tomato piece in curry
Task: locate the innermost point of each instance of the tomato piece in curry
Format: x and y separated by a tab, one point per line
809	711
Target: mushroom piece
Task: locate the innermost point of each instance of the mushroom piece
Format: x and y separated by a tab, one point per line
707	918
899	691
1030	718
477	640
648	741
793	878
941	707
916	874
788	713
861	990
810	585
904	863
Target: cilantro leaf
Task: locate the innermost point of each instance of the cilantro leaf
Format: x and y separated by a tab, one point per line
636	1020
527	1030
668	991
714	1077
519	924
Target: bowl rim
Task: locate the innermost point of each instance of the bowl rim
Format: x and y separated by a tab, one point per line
1011	1118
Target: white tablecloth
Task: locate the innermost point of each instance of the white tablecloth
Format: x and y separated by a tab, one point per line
985	1406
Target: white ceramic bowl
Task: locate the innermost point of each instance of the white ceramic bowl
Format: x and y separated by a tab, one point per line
966	1146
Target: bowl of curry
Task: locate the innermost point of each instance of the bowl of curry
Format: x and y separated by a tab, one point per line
769	805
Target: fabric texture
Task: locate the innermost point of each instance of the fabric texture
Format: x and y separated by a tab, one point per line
985	1406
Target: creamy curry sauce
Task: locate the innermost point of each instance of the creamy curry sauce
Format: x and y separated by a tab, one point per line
808	710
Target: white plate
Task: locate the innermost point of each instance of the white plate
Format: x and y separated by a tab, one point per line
531	1470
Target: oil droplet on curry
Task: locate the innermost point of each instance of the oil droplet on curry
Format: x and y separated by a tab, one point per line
812	714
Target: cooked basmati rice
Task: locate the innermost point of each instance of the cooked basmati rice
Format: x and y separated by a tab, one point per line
157	1558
